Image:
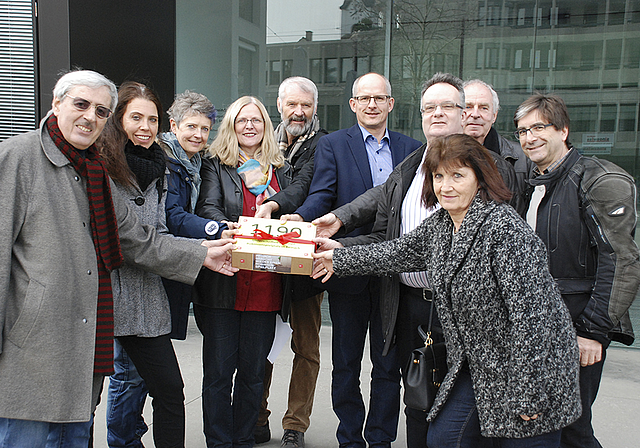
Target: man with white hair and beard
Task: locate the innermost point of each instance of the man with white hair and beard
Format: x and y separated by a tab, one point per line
297	136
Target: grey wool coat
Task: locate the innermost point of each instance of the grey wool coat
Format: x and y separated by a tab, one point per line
500	310
140	303
49	279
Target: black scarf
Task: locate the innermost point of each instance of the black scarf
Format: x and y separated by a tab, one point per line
147	164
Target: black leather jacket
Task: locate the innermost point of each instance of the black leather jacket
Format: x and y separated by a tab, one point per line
221	199
587	220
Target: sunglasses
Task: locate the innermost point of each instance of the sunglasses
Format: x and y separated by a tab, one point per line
82	105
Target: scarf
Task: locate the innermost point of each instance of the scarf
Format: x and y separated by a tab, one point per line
191	165
255	177
104	231
283	140
147	164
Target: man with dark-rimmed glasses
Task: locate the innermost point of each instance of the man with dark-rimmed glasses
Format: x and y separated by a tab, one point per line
584	209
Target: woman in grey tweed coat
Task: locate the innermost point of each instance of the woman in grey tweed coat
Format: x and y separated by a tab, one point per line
512	351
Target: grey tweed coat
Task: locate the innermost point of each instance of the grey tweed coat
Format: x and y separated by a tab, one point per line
500	310
140	303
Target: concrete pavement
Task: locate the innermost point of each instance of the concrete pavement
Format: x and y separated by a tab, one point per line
616	410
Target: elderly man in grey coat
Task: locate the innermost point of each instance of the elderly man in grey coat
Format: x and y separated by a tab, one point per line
62	235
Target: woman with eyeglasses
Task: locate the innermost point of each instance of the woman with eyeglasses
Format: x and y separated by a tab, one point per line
237	315
142	320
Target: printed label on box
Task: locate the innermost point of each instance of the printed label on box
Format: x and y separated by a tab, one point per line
270	246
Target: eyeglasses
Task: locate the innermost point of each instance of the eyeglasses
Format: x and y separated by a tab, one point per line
448	106
82	105
536	130
254	121
365	100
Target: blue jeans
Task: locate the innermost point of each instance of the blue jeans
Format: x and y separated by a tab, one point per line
125	402
31	434
352	315
233	342
457	424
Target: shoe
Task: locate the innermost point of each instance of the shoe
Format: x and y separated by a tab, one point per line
292	439
261	434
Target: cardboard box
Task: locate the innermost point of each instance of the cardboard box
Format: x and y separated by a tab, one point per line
267	245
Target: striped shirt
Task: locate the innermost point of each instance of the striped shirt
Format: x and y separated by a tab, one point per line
412	214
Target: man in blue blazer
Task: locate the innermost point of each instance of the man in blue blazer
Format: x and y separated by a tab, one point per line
348	163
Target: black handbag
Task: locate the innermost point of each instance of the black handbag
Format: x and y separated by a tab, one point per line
425	371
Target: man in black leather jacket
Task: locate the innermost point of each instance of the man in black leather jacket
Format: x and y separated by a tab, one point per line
584	209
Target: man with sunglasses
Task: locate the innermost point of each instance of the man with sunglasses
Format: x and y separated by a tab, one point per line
63	234
348	163
584	209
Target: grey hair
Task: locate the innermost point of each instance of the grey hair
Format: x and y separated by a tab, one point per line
190	103
354	89
304	84
86	78
494	94
444	78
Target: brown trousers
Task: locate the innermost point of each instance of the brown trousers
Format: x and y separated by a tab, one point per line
305	322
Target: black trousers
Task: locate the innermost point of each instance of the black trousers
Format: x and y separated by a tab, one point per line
158	366
579	434
413	311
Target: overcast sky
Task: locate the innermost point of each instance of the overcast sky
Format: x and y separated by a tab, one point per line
288	21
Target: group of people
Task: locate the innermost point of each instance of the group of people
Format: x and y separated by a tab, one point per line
526	250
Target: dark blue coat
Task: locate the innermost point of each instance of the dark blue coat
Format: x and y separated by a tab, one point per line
181	219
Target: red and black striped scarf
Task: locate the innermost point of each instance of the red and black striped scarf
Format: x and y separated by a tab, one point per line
104	230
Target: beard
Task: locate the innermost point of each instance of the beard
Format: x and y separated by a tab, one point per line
297	129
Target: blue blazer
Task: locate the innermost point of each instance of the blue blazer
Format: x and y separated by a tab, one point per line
341	174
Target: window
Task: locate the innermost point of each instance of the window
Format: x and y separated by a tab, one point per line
583	118
315	70
362	65
287	66
245	71
631	53
613	51
331	70
616	12
333	118
246	10
274	73
591	16
627	120
608	114
347	66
